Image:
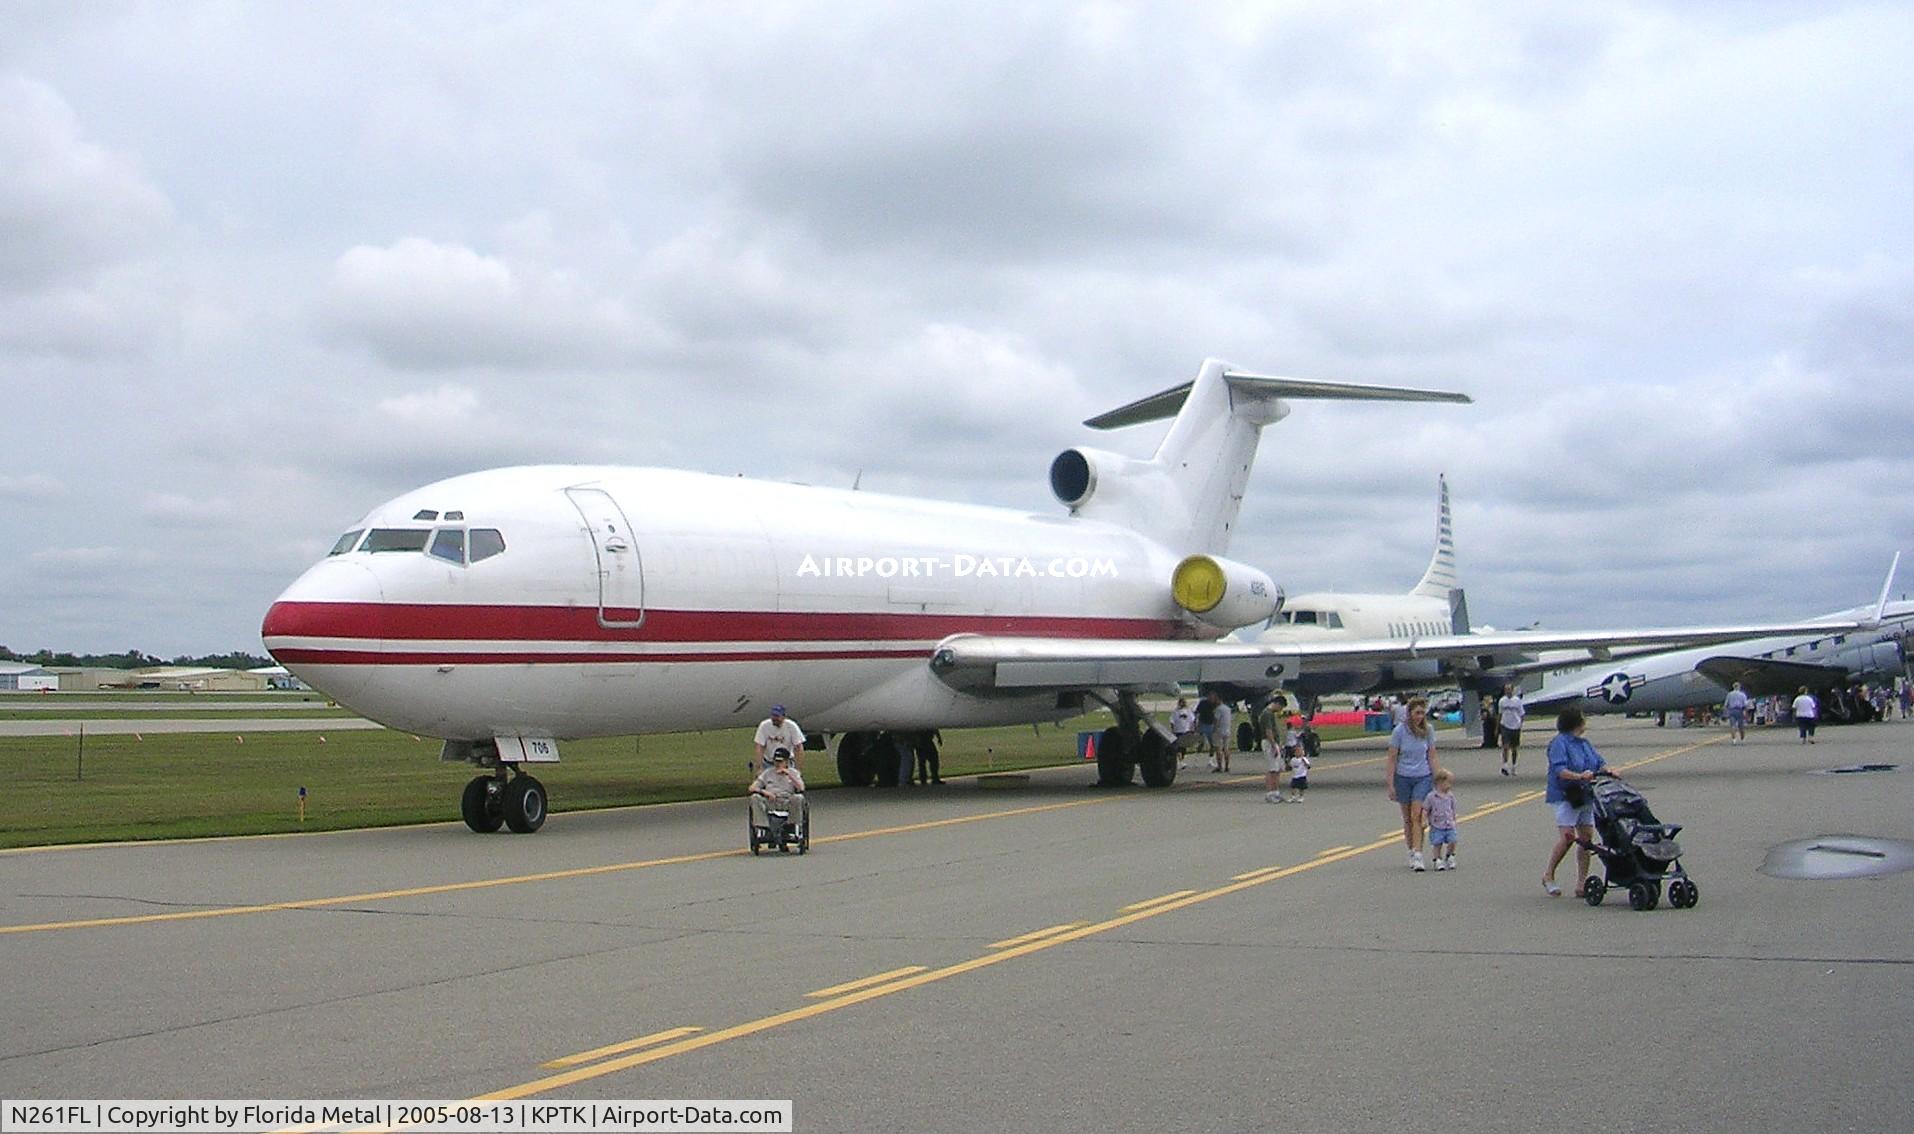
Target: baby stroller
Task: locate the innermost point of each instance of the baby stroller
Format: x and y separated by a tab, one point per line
1637	850
787	824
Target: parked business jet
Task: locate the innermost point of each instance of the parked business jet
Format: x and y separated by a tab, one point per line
1864	644
504	611
1434	607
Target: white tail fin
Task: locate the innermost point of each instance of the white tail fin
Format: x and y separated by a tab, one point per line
1441	578
1189	494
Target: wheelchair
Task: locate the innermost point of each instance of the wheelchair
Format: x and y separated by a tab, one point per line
787	825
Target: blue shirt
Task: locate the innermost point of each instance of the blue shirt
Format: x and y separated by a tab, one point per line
1569	753
1412	751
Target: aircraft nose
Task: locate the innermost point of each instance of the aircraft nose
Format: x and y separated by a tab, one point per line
328	628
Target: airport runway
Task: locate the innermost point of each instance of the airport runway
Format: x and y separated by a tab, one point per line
1050	957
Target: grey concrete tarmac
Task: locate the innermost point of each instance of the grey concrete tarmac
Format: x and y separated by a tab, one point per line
1337	991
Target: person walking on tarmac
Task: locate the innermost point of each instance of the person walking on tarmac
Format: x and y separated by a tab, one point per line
774	732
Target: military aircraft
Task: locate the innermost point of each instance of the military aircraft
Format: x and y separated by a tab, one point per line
1861	644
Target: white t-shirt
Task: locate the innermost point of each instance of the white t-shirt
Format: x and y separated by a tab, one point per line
773	737
1182	721
1299	766
1805	708
1513	711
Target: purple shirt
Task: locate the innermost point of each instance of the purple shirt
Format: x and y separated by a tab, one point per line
1440	808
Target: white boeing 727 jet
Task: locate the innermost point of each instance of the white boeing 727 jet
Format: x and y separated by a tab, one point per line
504	611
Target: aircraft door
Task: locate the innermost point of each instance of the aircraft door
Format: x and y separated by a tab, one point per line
621	581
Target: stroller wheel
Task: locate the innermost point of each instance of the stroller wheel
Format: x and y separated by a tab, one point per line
1594	890
1683	894
1643	896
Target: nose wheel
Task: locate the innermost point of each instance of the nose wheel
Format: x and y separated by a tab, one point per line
491	802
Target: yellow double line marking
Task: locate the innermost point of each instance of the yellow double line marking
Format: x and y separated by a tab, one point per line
867	982
620	1048
1033	935
1144	905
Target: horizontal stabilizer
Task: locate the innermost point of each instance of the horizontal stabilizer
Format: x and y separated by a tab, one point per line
1166	404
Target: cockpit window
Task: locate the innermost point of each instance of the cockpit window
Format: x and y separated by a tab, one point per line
425	514
346	542
486	542
449	544
453	516
1305	618
397	539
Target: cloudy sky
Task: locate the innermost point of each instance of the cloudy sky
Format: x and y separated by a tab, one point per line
264	266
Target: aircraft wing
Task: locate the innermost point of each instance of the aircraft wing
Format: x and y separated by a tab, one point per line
1766	677
978	662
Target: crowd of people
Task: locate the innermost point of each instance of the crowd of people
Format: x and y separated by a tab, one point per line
1414	778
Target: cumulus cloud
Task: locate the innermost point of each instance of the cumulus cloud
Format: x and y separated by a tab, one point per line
176	508
30	486
421	304
68	206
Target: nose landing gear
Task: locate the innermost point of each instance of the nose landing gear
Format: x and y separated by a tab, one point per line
506	797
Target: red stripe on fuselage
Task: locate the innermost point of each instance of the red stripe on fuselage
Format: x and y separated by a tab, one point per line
299	655
457	622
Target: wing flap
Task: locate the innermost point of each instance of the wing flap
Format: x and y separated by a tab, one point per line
1766	677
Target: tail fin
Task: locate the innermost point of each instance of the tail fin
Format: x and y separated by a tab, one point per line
1441	578
1189	494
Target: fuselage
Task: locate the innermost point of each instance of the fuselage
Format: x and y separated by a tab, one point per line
615	601
1346	617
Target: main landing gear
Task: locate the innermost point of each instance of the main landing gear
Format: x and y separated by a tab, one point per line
881	758
1134	744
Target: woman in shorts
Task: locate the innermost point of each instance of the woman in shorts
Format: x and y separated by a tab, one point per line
1412	769
1573	764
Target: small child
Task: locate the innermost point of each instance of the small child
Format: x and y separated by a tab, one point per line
1440	808
1298	771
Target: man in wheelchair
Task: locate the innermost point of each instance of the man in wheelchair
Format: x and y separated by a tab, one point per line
780	816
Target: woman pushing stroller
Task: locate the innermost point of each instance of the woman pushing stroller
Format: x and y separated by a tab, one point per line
1573	765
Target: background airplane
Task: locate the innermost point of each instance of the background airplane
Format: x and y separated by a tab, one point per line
1435	608
1863	644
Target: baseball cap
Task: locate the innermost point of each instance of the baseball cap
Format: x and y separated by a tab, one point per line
781	754
777	710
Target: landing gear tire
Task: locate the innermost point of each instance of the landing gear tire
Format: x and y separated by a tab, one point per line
854	759
524	804
481	806
884	757
1116	763
1156	757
